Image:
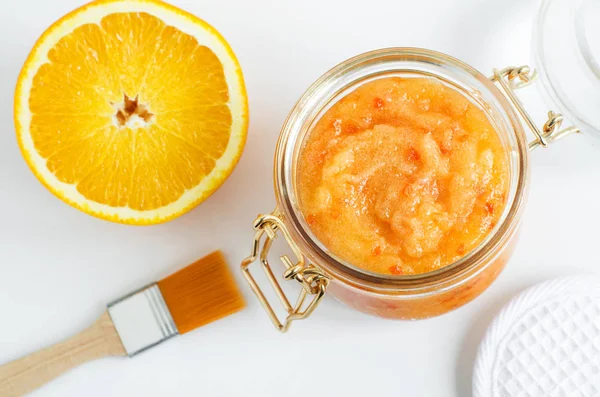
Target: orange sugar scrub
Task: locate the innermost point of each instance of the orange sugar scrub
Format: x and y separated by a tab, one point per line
402	176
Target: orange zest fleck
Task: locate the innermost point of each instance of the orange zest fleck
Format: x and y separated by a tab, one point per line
412	155
376	250
350	128
396	270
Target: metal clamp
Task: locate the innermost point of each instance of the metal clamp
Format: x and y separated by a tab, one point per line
512	78
313	280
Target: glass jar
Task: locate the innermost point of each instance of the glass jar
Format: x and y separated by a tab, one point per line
566	53
405	296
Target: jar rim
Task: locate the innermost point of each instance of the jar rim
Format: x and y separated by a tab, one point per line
349	273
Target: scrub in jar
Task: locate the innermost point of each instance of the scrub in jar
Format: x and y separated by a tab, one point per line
402	176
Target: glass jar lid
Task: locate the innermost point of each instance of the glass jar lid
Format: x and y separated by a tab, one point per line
567	58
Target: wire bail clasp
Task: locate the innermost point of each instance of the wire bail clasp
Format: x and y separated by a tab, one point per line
512	78
313	280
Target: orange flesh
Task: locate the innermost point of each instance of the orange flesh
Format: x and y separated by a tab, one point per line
93	84
402	176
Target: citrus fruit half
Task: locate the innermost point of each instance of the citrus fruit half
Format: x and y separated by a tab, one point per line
131	110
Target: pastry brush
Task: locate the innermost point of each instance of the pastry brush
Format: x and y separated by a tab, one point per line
196	295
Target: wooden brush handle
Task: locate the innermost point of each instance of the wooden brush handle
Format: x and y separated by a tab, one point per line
28	373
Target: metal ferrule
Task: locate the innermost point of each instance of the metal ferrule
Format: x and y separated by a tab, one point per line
142	319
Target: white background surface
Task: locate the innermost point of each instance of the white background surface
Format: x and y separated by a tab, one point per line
58	267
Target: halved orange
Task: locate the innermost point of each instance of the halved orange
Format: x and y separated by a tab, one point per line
131	110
